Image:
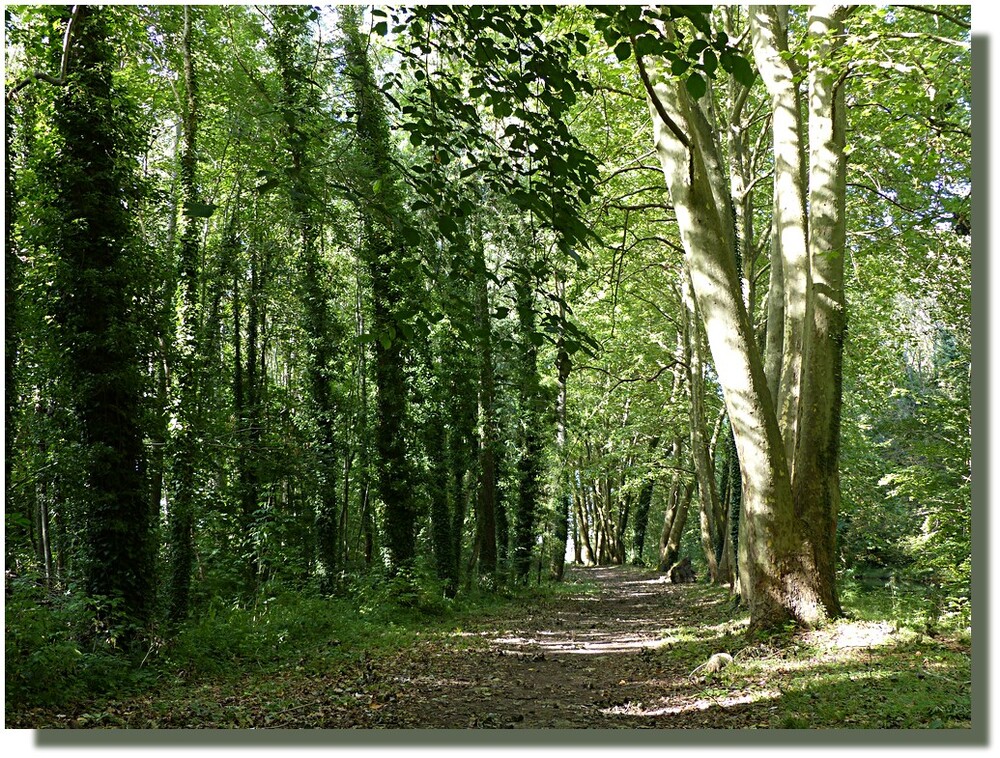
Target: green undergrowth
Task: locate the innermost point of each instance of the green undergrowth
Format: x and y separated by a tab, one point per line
53	661
892	662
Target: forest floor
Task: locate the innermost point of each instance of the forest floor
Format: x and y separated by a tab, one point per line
622	649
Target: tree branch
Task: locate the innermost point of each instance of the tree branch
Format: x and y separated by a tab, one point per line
661	111
942	14
60	80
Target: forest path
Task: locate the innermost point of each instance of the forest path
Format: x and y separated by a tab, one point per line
615	648
582	660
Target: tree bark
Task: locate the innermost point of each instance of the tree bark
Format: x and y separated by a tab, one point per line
93	193
771	589
183	505
769	32
816	480
385	254
704	470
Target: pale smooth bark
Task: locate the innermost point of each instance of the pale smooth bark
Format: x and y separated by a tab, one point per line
789	468
770	44
708	497
767	577
816	480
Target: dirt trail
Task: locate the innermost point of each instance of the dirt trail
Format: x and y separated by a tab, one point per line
583	661
620	656
620	651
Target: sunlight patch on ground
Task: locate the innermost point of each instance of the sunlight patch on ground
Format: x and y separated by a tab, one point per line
701	633
854	634
592	644
701	704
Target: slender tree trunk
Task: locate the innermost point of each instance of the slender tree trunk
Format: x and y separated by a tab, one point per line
12	278
486	517
703	467
562	494
769	32
643	506
183	506
580	506
816	481
673	499
670	540
442	528
529	464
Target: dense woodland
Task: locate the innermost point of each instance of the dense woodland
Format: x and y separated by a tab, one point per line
420	304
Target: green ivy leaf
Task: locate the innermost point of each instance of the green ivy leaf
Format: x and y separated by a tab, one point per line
710	62
194	209
696	85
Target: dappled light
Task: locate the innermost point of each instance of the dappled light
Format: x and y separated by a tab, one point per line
488	366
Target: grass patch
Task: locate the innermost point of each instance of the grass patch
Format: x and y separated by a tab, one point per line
49	667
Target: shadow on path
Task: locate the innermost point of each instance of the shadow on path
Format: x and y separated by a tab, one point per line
582	661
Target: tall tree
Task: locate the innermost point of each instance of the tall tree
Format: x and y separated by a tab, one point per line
775	581
95	192
530	440
189	349
487	495
298	106
385	253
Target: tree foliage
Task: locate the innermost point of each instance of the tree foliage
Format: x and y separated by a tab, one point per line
301	297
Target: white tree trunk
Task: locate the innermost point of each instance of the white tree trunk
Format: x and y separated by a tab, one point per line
770	44
816	480
767	532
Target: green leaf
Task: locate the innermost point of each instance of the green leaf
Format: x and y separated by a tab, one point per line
647	44
502	109
679	66
381	28
742	71
194	209
710	62
695	48
270	184
623	50
696	85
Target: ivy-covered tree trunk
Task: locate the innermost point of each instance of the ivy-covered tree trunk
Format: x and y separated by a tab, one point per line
299	109
642	508
384	251
442	537
98	278
12	277
530	437
186	444
486	500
